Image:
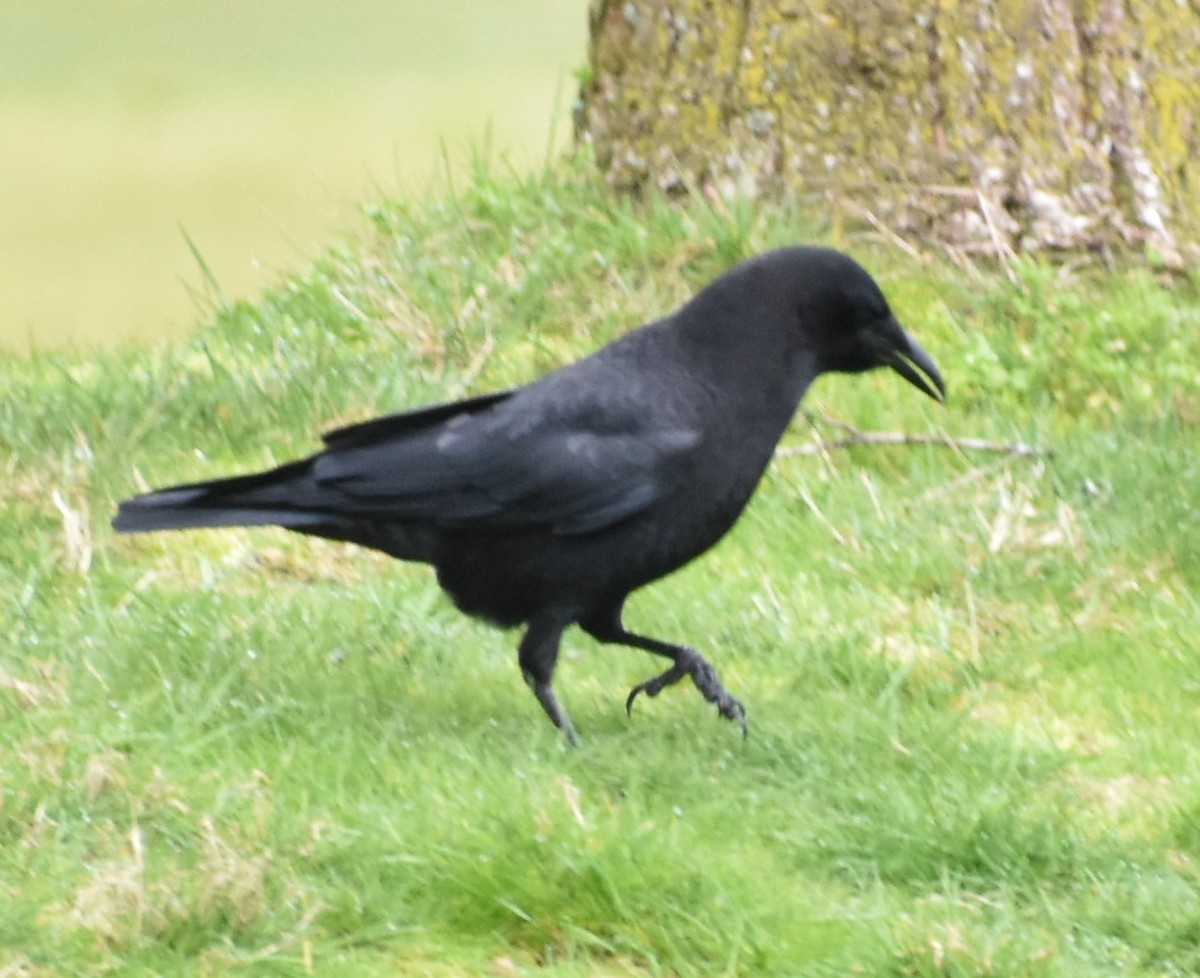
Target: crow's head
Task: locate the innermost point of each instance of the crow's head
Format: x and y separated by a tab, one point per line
849	324
880	341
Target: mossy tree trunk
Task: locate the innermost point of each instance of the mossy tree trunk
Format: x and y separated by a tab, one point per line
990	124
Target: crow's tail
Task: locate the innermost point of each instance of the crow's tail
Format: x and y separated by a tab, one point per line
286	496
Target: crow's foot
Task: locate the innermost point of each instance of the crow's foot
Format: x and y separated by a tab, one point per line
692	663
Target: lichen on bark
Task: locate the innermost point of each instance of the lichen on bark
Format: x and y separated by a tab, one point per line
987	123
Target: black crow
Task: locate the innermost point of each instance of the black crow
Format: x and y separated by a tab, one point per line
547	505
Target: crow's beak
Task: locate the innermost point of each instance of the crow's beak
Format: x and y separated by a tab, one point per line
911	362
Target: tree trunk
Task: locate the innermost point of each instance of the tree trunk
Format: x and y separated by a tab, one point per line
988	124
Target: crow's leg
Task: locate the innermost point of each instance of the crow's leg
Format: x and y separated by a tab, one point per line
607	627
537	655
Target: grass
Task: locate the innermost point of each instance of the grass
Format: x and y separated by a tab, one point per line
971	679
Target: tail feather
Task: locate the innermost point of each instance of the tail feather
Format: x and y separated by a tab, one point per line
285	496
288	496
150	512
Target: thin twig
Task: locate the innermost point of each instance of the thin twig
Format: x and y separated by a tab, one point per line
856	436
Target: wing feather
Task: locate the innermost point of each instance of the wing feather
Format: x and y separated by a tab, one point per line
505	462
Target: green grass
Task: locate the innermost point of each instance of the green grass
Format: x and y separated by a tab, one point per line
972	679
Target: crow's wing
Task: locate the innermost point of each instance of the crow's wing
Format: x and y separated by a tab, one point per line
503	461
410	422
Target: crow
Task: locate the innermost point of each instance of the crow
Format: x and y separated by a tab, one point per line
546	505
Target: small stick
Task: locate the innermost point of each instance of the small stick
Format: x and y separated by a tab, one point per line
856	436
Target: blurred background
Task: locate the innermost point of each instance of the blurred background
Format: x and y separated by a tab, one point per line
253	129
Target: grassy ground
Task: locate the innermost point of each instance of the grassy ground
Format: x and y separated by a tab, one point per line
255	127
972	678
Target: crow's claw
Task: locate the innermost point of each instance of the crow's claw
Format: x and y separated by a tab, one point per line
691	663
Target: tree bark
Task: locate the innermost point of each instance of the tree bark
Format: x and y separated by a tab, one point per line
988	124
